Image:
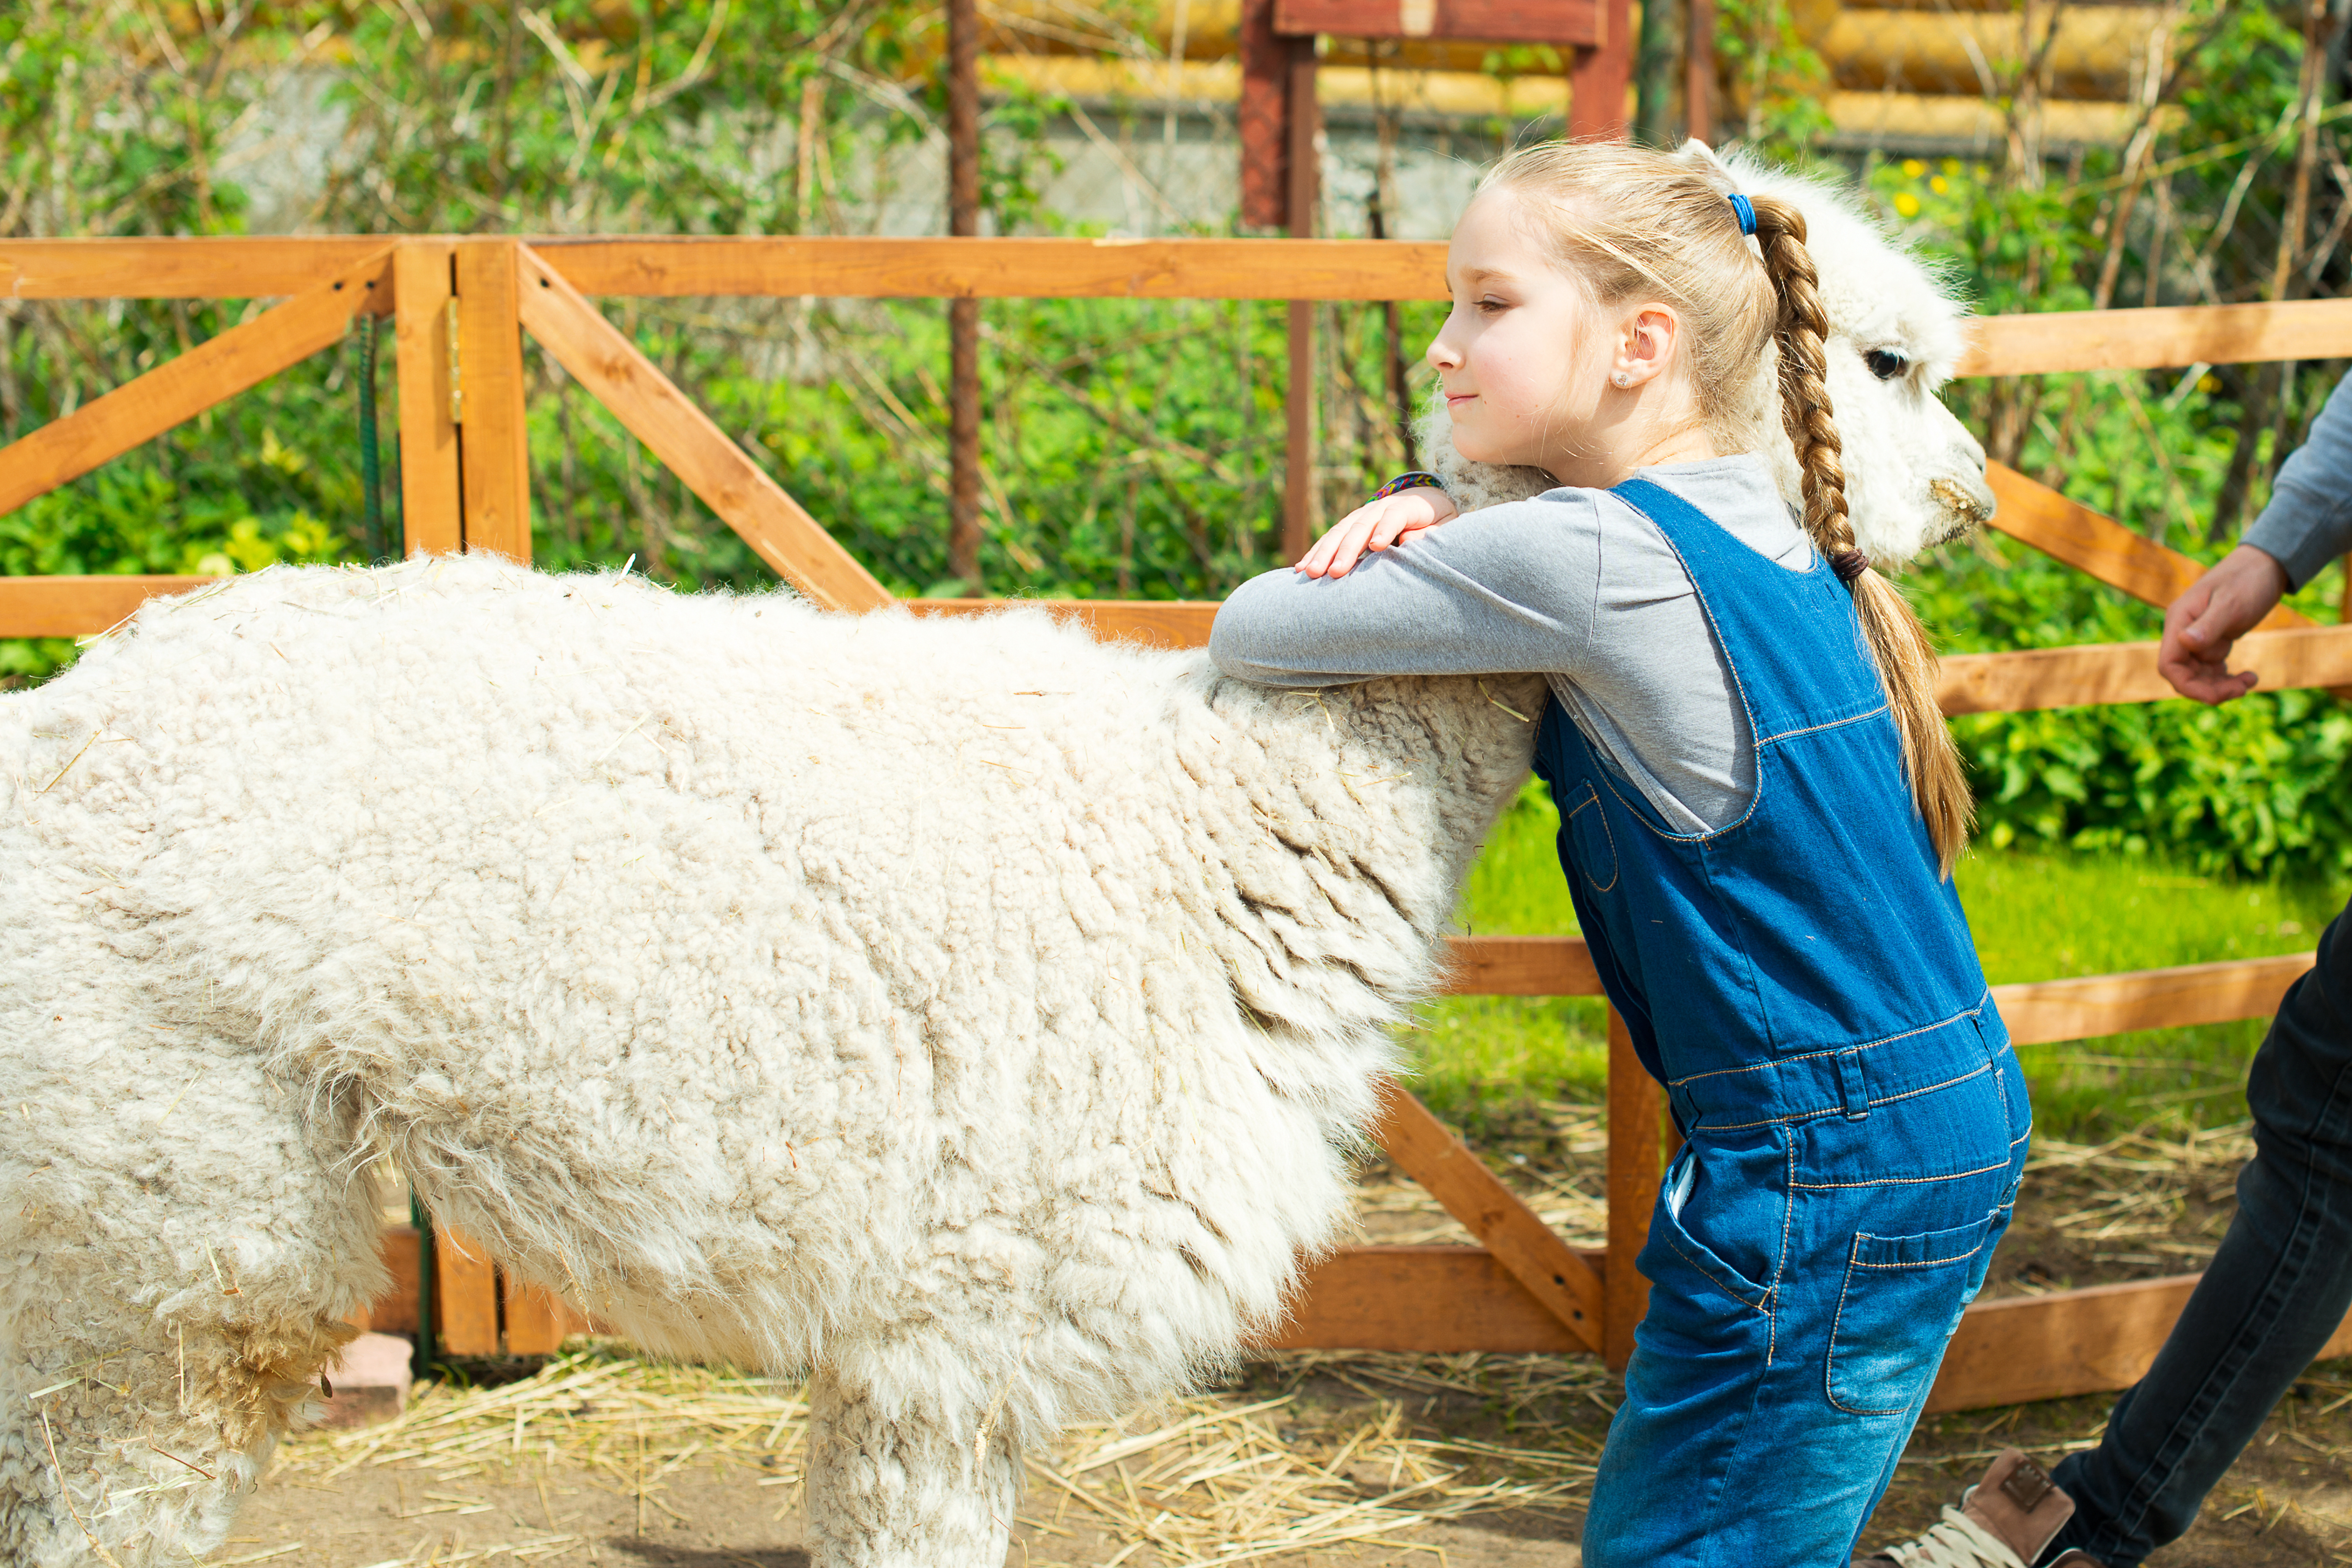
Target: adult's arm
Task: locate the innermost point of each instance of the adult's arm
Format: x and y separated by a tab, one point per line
2308	522
1509	588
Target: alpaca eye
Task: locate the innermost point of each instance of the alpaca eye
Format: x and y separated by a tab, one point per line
1885	364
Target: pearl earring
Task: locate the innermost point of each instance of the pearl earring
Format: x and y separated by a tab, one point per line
1620	378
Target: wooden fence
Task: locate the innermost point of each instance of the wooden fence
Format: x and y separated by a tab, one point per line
459	307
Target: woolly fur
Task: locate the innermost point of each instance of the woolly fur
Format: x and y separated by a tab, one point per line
1915	477
977	1016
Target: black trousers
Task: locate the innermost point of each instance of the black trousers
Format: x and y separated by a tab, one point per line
2276	1289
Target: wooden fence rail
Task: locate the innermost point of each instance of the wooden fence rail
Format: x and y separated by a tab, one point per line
460	306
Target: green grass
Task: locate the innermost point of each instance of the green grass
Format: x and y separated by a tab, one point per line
2037	915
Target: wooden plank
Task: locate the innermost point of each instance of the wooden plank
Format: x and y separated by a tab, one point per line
1452	1300
212	267
1155	623
2044	1011
536	1321
1544	1265
1521	966
846	267
464	1294
855	268
395	1311
1439	1300
2035	514
2126	672
2159	337
1569	23
654	411
432	501
179	389
493	450
79	606
1637	1107
2022	1348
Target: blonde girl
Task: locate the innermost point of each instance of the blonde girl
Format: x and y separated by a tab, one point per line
1760	811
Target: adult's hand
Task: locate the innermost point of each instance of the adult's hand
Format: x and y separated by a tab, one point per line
2200	627
1376	525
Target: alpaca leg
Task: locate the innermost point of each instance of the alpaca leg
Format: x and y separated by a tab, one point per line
903	1487
182	1255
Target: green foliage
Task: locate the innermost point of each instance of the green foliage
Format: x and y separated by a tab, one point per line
1777	82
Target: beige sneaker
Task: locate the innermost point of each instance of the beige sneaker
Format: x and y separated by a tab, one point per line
2003	1522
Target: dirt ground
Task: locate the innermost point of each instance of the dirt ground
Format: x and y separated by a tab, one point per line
1498	1430
2289	1500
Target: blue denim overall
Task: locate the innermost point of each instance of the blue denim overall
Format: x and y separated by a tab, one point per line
1805	984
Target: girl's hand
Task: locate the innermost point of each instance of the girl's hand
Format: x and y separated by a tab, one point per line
1376	525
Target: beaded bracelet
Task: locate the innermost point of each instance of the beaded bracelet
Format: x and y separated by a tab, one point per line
1412	481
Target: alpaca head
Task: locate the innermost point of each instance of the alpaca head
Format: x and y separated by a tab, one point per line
1915	477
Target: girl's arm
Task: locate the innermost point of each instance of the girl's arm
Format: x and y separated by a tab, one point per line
1508	589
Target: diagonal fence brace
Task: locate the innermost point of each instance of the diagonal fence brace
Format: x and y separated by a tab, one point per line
603	359
1427	1149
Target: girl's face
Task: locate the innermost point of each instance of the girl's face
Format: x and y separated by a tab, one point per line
1530	365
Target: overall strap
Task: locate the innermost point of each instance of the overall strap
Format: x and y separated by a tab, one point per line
1791	638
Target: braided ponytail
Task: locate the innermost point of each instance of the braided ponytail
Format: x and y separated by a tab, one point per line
1899	642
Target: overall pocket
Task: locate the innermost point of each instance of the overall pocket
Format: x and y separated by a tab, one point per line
1902	1297
1585	838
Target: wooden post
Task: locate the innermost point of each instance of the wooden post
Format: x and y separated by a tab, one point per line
1597	83
1298	497
963	314
1636	1107
432	504
493	455
464	1294
1698	70
1264	117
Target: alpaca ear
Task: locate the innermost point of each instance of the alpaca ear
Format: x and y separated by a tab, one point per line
1698	151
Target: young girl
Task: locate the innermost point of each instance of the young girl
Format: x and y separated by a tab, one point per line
1759	809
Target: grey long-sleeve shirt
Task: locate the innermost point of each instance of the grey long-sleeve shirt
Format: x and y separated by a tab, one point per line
2308	522
1576	585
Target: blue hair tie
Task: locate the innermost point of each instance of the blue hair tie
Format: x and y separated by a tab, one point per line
1747	212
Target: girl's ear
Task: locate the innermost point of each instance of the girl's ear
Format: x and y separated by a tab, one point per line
1645	346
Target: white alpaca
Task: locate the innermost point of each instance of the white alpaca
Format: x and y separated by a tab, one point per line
973	1014
1915	477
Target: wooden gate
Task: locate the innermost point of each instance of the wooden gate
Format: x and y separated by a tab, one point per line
459	306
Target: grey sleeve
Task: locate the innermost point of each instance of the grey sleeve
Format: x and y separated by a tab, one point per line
2308	522
1507	589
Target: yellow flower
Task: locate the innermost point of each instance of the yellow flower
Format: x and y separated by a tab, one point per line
1912	168
2208	385
1951	165
1939	184
1907	204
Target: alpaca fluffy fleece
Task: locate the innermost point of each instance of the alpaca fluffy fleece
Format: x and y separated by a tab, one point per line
1915	477
975	1015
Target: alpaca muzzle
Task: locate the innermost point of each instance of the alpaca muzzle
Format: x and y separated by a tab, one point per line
1957	502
